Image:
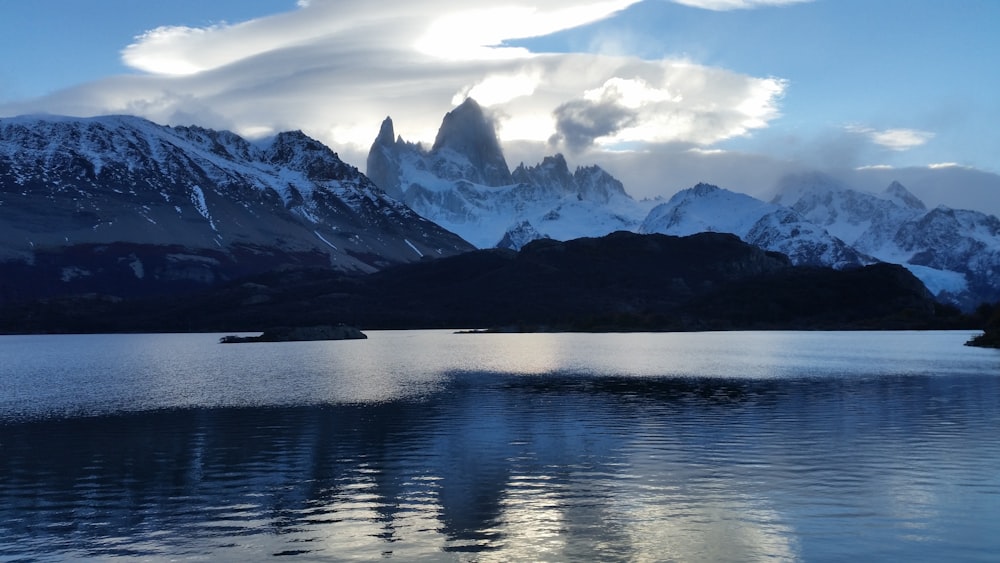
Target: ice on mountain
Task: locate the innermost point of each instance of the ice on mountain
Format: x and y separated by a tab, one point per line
771	226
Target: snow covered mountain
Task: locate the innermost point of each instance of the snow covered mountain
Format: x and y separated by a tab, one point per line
956	253
463	183
89	202
815	220
708	208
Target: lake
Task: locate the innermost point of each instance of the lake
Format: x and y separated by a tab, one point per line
434	446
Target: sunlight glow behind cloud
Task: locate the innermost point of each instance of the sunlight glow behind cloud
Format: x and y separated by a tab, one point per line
479	33
500	88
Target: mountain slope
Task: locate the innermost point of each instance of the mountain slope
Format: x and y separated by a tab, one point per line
708	208
956	253
463	183
623	281
126	206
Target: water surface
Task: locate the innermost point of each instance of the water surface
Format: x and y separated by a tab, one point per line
427	445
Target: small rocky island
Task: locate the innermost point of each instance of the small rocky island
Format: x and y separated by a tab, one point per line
300	334
990	338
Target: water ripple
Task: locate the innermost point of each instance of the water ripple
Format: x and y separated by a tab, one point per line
432	453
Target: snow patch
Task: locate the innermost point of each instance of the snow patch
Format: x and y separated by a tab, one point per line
328	243
939	281
420	254
72	272
198	199
137	268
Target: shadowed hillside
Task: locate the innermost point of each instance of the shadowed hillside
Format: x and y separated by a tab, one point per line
622	281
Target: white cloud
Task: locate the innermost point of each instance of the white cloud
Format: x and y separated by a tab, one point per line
667	102
723	5
901	139
632	93
477	33
336	68
893	139
500	88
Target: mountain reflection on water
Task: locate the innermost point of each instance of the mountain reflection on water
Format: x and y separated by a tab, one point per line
553	465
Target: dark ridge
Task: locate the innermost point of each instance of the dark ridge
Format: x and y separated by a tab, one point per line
620	282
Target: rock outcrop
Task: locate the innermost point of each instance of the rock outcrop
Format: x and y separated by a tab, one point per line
300	334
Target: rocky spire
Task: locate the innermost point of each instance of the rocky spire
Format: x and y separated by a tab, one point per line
898	193
382	166
386	133
467	131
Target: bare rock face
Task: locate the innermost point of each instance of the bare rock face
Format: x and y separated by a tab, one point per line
382	167
467	132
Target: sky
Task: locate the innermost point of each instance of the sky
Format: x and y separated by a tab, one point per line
661	93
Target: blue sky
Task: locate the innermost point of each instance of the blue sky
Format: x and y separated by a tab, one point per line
662	93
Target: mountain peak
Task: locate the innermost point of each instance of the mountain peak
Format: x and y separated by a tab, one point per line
816	185
899	194
701	188
386	133
134	208
298	151
556	162
380	166
469	132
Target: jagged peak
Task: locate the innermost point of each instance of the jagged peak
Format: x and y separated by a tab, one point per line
299	151
557	161
386	133
704	188
296	138
554	163
465	127
898	193
468	131
701	189
593	173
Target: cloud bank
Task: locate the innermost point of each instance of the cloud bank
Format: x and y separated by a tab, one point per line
336	68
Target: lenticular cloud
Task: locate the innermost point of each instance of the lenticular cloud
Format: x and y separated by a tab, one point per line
335	69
